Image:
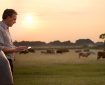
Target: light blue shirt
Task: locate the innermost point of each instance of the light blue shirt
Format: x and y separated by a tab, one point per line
5	39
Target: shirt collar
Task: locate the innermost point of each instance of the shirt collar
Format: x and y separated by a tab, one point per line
4	25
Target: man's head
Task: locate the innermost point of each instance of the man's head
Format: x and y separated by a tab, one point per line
9	17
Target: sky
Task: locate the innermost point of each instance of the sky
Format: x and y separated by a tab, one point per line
50	20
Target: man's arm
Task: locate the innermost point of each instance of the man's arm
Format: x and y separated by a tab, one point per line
8	49
16	49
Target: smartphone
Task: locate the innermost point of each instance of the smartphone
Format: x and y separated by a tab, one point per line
29	47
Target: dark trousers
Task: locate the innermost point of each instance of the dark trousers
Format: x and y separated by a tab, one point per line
11	64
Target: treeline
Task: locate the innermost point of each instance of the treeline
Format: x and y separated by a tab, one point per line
79	42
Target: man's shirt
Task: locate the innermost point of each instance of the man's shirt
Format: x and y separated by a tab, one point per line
5	39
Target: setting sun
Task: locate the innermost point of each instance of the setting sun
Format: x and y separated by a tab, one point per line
29	21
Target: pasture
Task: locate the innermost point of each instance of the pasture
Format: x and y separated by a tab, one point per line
58	69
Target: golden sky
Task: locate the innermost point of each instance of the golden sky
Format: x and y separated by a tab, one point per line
49	20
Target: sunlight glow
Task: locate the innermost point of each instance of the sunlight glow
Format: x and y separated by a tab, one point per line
29	21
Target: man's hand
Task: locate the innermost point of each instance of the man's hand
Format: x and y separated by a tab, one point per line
20	48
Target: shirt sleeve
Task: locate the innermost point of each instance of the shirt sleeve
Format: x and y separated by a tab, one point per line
1	40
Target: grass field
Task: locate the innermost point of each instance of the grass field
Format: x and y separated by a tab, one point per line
58	69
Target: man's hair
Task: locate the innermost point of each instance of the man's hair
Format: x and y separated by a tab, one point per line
8	12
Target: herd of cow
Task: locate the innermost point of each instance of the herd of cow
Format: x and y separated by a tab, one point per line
84	53
54	51
48	51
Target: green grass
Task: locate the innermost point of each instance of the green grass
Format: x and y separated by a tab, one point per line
74	74
39	69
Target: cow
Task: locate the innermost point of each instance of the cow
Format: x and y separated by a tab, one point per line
24	52
48	51
31	50
100	55
84	54
62	50
78	51
59	51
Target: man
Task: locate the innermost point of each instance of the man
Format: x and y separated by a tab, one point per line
7	48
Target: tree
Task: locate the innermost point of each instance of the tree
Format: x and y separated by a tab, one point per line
85	42
102	36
